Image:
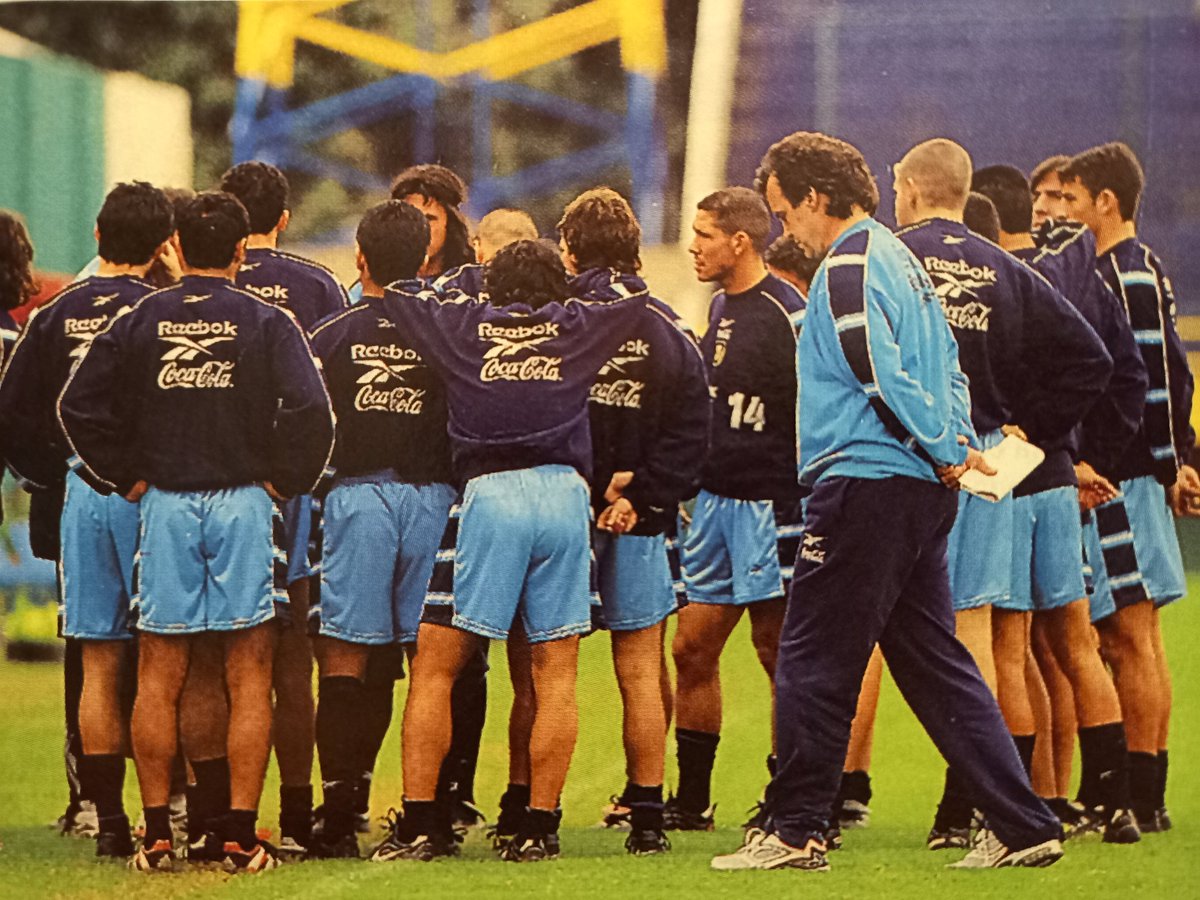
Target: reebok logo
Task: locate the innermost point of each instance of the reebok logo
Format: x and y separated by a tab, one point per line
269	291
188	341
375	395
84	326
630	352
508	341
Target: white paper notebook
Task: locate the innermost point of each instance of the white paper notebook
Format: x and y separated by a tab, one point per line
1013	459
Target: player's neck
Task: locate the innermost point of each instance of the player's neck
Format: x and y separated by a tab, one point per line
229	274
939	212
1019	240
268	241
108	269
748	272
369	287
1111	233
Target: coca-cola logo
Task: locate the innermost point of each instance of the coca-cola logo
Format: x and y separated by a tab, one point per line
971	316
404	400
534	368
623	392
212	374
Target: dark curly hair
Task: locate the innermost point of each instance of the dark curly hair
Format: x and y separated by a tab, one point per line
17	284
788	256
980	216
210	227
263	190
808	160
434	182
1048	166
1112	167
393	237
528	272
601	231
1008	189
134	221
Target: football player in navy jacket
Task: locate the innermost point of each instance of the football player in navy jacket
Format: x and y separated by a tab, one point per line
310	292
741	543
205	406
1102	188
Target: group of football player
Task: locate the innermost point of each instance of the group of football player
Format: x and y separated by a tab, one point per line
242	468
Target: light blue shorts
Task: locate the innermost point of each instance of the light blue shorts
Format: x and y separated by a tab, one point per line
739	551
299	535
380	539
1159	563
99	543
639	578
518	543
207	561
1047	553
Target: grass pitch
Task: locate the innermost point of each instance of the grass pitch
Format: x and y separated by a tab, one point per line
886	860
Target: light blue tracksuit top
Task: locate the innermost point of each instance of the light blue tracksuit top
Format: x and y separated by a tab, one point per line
880	393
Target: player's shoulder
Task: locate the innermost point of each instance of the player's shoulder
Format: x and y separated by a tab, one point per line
340	321
303	264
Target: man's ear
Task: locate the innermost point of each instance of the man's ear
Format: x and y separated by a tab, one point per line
282	224
1107	202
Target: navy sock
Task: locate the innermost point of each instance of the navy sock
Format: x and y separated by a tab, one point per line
646	806
696	752
1105	764
1162	779
158	824
1025	744
240	827
103	779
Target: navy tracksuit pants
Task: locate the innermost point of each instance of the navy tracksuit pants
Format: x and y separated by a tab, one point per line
872	569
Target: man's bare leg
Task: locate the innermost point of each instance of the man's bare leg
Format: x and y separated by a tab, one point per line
204	735
295	721
1102	735
341	701
1010	650
700	636
766	624
855	792
103	732
249	657
555	719
162	667
1062	707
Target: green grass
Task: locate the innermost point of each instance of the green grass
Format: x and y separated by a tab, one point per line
885	860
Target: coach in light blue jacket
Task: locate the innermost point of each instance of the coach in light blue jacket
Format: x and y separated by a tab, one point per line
883	423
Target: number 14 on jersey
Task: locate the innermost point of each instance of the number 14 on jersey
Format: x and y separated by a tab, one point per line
751	413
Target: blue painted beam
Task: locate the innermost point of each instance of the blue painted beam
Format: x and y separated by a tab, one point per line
559	107
553	174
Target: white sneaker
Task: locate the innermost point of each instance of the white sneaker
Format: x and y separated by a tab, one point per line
990	852
766	851
86	823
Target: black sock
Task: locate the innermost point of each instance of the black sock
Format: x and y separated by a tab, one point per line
646	806
696	752
1025	744
540	821
362	793
379	687
1162	779
208	800
158	825
295	812
1143	783
516	796
468	710
1105	764
421	817
103	778
772	764
956	807
338	808
240	827
340	705
856	785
